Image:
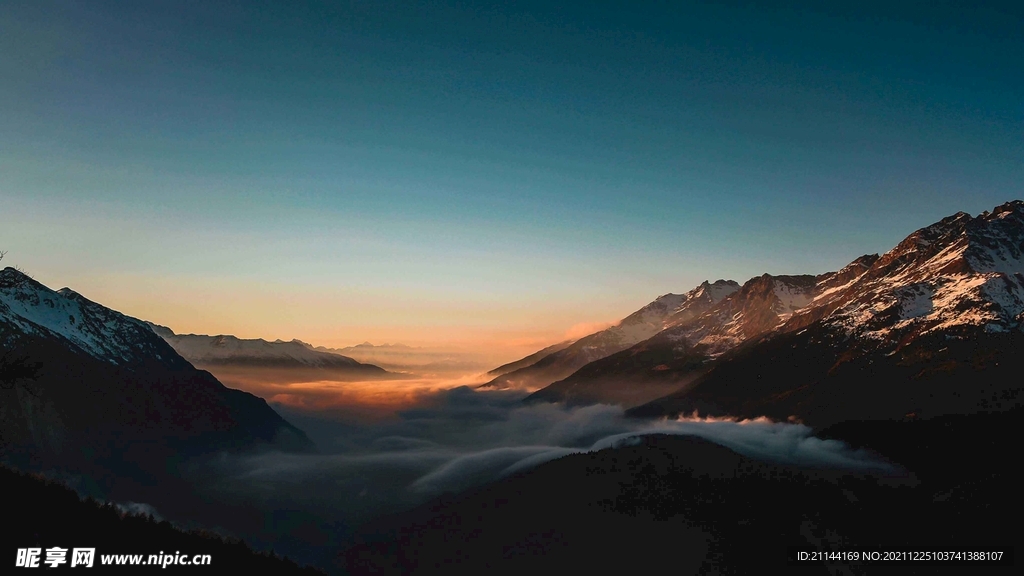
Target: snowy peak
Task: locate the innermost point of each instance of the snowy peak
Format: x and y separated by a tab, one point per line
996	240
719	290
32	308
109	385
960	244
792	293
701	299
764	302
959	272
760	305
961	278
833	282
663	307
671	309
655	312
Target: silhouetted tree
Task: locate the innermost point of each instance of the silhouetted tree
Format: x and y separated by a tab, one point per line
18	268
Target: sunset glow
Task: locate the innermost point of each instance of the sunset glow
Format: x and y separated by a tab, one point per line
378	397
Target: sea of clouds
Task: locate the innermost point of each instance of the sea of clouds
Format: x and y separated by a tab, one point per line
454	439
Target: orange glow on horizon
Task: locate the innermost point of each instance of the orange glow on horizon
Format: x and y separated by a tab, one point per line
380	397
336	317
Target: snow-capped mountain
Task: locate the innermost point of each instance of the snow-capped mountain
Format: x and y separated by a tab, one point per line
83	383
960	272
933	326
701	299
672	309
957	278
210	351
760	305
638	326
28	306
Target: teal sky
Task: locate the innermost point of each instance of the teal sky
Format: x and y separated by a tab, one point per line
484	173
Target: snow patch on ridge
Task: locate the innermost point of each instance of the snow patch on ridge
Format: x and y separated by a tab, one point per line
95	329
960	272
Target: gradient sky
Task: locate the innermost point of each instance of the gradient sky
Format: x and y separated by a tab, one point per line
457	172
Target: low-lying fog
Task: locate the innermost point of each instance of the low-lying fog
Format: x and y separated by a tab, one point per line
390	450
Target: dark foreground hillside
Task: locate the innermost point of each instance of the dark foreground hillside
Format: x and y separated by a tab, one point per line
691	507
45	514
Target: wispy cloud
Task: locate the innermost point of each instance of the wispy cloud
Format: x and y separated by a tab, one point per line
449	440
585	329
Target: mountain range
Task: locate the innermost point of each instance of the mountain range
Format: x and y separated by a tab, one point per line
225	352
901	333
419	360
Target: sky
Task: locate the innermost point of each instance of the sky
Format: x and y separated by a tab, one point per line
489	175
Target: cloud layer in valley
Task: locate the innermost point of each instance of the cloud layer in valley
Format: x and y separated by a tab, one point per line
373	462
453	439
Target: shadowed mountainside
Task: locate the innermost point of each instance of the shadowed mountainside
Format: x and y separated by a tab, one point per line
529	360
50	514
638	326
90	391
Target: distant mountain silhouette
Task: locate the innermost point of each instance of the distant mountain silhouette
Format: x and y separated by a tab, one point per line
225	352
